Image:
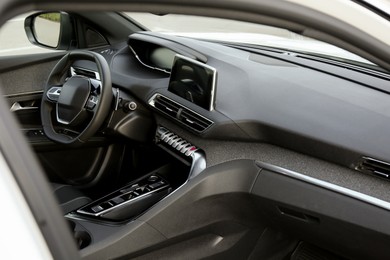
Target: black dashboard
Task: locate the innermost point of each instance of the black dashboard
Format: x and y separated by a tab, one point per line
259	96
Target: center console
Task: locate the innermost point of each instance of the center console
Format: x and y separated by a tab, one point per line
133	199
129	201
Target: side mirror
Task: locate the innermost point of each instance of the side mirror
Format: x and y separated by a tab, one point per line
53	30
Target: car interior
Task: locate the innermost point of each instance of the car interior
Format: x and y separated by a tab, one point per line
158	146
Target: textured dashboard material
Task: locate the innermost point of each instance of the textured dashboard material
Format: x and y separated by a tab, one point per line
219	151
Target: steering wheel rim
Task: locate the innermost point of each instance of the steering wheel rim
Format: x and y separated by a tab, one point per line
68	93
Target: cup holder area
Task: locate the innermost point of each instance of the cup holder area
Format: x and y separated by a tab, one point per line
82	237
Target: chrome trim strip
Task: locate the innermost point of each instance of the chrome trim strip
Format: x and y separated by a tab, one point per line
17	107
375	160
146	65
59	120
326	185
198	164
50	93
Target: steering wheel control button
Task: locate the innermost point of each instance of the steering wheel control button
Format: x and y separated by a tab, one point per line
95	84
92	102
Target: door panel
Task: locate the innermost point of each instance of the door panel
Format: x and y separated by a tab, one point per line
27	74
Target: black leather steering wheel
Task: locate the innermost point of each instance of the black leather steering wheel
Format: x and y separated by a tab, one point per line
78	104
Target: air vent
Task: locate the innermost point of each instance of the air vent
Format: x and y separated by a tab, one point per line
194	120
166	105
84	72
375	167
181	113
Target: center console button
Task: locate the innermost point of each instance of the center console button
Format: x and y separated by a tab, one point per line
132	187
156	185
128	196
97	208
152	178
117	200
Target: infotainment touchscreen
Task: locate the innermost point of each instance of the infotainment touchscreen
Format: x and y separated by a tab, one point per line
194	81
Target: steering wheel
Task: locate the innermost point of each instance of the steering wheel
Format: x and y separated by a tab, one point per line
74	108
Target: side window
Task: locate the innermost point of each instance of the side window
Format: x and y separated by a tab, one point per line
14	41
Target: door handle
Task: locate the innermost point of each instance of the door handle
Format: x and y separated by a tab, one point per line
18	107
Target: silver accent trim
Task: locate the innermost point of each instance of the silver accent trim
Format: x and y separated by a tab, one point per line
73	72
326	185
375	160
132	106
198	164
63	121
146	65
117	99
181	144
54	91
18	107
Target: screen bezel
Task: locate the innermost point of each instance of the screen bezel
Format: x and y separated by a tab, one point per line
205	66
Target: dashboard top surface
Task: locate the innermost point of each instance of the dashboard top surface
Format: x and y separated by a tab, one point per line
267	96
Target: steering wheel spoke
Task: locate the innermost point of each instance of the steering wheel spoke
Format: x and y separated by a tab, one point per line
54	92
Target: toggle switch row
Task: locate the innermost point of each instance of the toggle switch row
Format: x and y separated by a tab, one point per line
175	141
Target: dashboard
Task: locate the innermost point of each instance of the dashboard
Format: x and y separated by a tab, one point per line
238	101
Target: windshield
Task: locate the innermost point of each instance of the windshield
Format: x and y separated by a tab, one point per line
216	29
